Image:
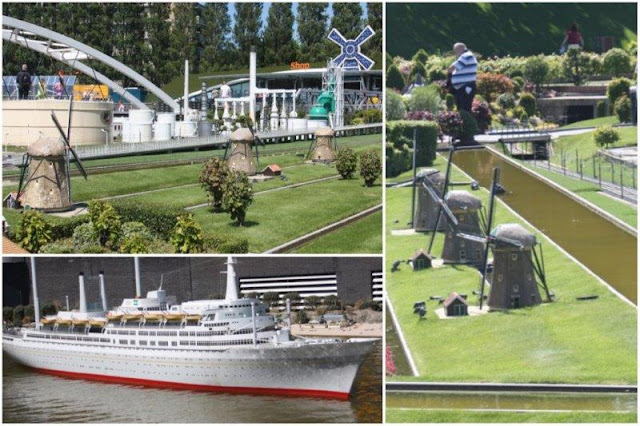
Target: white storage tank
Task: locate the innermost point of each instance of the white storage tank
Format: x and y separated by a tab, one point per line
168	117
140	125
162	131
188	129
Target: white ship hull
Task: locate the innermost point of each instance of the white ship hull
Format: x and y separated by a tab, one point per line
317	370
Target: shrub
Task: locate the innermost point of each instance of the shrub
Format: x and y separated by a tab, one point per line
518	83
426	99
492	85
312	301
238	196
226	244
134	244
7	314
419	115
397	160
158	218
373	115
131	228
400	135
506	101
579	66
421	56
301	317
346	163
622	108
436	72
469	127
187	235
61	247
394	106
370	304
536	70
450	123
601	109
524	117
418	69
84	236
370	166
450	101
33	231
18	314
50	309
212	178
605	136
64	227
395	79
29	312
617	88
106	223
528	103
616	62
482	113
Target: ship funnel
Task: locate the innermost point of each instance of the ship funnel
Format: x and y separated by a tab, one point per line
83	296
232	289
34	283
103	292
136	264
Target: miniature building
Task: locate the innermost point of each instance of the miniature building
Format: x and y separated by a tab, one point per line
459	250
456	306
513	284
427	208
11	200
241	156
420	260
323	150
46	183
272	170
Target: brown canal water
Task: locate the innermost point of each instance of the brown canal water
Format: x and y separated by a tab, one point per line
607	250
30	397
513	401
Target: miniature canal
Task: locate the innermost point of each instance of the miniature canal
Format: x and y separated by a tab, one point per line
606	249
30	397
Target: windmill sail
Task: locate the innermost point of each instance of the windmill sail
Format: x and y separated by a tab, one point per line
66	141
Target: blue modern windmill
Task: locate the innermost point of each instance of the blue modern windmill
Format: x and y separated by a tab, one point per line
351	58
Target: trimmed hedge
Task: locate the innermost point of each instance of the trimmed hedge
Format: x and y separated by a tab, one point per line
225	244
400	143
159	218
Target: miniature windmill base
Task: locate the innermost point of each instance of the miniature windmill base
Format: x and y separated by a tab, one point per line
241	158
46	186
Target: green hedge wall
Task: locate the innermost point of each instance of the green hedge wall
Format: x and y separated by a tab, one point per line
160	219
399	147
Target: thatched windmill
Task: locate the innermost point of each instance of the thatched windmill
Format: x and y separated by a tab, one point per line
426	213
465	208
45	179
321	148
241	143
518	262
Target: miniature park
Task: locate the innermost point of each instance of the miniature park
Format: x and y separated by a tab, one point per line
225	148
511	227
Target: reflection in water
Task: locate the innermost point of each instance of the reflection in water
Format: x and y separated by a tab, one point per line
397	351
30	397
604	248
513	401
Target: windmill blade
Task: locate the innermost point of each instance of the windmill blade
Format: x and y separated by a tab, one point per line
447	174
340	59
364	60
365	35
69	120
441	204
508	241
494	180
445	209
337	37
26	159
414	183
66	141
540	270
485	260
471	237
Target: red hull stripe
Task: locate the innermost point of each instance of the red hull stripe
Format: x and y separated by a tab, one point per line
206	388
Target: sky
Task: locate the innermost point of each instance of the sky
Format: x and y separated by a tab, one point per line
265	12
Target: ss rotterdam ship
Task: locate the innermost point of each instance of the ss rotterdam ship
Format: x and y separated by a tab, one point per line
230	345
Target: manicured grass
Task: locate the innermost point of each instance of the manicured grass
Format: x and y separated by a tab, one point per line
281	216
595	122
395	415
363	236
439	162
566	341
591	192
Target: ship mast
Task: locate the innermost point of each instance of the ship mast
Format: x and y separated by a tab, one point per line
36	302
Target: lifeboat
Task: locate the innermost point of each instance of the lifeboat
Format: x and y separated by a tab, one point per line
174	317
63	321
97	322
114	316
193	317
153	317
46	321
78	321
133	316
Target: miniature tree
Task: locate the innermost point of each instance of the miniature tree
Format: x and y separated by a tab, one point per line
536	70
312	301
617	88
293	296
238	196
617	62
7	314
395	79
34	231
622	107
212	178
134	244
107	227
301	317
528	103
271	297
605	136
187	235
394	105
346	163
370	167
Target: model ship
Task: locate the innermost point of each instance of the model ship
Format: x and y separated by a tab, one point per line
231	345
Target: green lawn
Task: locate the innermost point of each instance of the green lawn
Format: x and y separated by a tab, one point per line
563	342
591	192
362	236
594	122
281	216
581	148
396	415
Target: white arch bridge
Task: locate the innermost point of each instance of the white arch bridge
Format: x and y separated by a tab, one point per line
73	53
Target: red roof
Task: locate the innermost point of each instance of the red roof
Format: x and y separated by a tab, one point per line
453	296
9	247
273	167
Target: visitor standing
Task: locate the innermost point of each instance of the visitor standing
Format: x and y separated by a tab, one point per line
23	80
225	90
573	39
463	76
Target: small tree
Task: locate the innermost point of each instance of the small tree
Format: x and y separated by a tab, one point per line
252	295
50	309
134	244
395	79
394	105
271	297
370	166
469	127
7	314
18	315
301	317
536	70
450	101
34	231
213	176
346	163
605	136
332	302
421	56
238	196
617	88
29	314
418	69
312	301
107	227
528	103
293	296
426	99
617	62
187	235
